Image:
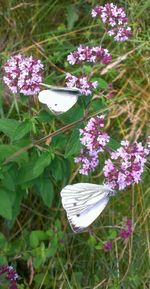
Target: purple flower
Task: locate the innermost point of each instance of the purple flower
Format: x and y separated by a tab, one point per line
126	231
110	14
85	87
88	160
116	20
107	246
125	165
93	140
92	137
10	275
92	55
120	33
23	74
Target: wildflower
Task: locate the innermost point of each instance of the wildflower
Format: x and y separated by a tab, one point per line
23	74
110	14
92	137
93	140
88	160
125	165
85	87
116	20
126	231
92	55
107	246
10	275
120	33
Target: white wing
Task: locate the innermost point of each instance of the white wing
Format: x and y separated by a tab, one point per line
83	203
59	100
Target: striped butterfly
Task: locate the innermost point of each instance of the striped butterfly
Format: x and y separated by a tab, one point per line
59	99
83	203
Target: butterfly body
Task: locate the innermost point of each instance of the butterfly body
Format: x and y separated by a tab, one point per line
59	99
84	202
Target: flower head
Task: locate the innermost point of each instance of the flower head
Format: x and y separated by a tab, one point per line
125	165
92	137
88	160
120	33
82	83
93	140
89	54
23	74
126	231
115	19
10	275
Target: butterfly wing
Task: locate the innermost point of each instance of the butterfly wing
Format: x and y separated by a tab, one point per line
58	100
83	203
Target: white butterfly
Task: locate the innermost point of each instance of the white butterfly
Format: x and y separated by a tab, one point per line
84	202
59	99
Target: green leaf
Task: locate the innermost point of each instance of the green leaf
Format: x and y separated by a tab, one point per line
92	241
5	204
97	104
75	113
34	169
45	116
73	145
3	240
36	237
56	169
3	261
20	194
60	169
59	141
46	191
113	144
49	252
102	84
8	182
112	234
8	126
7	150
72	16
22	129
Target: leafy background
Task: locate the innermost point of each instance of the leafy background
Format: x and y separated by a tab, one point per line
35	236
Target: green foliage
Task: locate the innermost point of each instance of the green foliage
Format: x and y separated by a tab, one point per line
8	126
6	200
7	150
72	16
21	130
46	190
34	168
73	145
35	236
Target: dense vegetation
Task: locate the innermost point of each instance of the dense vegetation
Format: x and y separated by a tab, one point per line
35	235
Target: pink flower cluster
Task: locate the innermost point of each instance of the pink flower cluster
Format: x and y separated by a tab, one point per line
88	160
82	83
89	54
116	20
125	166
94	140
10	274
126	231
23	74
124	234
